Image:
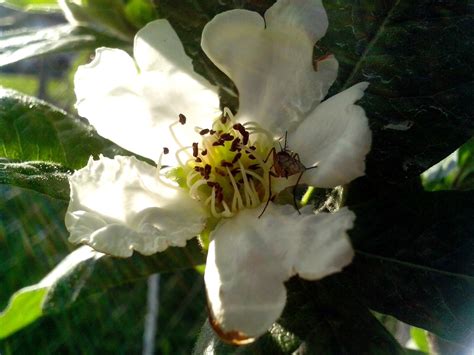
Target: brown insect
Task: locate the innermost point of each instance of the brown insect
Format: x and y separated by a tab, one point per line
286	163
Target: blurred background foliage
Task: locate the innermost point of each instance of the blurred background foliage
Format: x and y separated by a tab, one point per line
42	42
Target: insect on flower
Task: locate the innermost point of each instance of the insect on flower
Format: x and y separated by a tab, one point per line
286	163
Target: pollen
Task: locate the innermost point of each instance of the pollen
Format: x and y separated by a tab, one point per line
226	170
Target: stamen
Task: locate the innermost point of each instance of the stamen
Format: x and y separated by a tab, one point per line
246	185
182	119
228	113
204	131
196	185
179	151
213	203
227	213
170	128
195	150
159	176
237	198
165	150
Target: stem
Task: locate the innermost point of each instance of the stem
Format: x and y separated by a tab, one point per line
151	318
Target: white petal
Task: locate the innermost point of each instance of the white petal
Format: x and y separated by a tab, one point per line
250	258
324	246
336	137
119	205
136	108
306	16
272	67
157	47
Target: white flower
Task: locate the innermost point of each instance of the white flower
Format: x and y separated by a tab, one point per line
225	170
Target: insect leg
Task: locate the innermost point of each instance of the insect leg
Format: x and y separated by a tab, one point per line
269	194
294	192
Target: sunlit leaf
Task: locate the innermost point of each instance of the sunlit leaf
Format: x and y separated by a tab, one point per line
32	5
47	178
31	42
140	12
24	308
26	305
419	336
32	130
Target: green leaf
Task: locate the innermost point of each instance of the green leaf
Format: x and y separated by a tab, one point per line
26	305
31	129
32	5
107	272
47	178
23	309
28	43
464	179
140	12
414	255
277	341
103	15
417	57
86	272
419	336
320	318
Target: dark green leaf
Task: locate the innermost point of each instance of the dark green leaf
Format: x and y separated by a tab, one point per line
319	318
85	272
47	178
415	258
277	342
28	43
97	275
417	57
31	129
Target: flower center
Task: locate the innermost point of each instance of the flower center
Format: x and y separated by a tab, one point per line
227	167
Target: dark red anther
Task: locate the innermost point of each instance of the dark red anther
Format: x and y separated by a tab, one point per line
197	168
254	166
236	158
212	132
195	150
204	152
245	138
235	145
223	119
220	172
198	160
212	184
182	118
239	127
251	157
226	163
219	142
207	171
227	137
253	147
204	131
165	150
